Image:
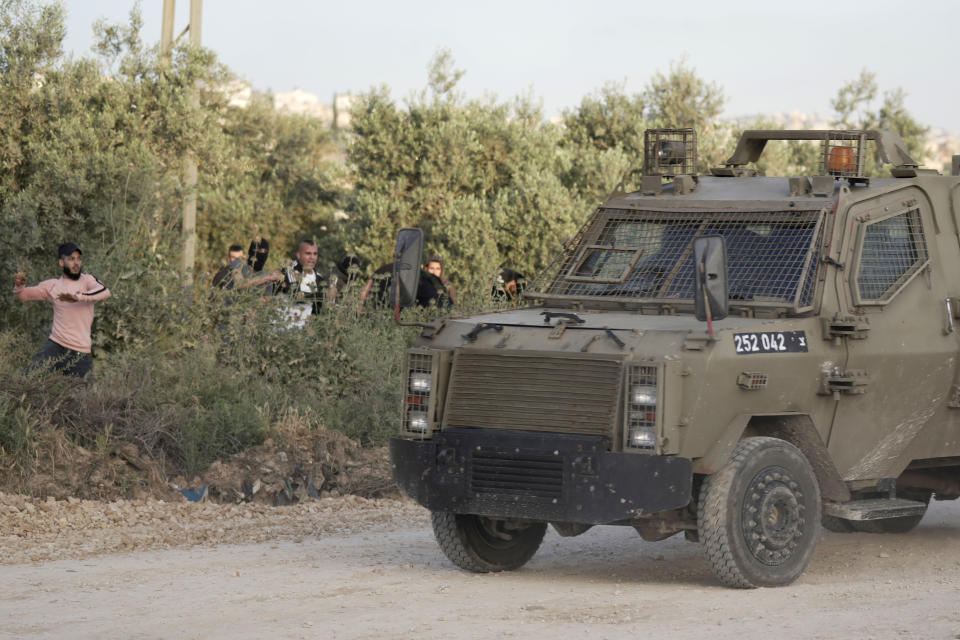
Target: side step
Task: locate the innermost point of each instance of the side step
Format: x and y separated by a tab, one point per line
874	509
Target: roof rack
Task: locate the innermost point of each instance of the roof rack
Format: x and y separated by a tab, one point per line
842	152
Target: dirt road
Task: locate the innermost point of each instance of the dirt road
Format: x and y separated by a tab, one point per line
384	577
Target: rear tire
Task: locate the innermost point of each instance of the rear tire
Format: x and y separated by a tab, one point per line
759	516
481	545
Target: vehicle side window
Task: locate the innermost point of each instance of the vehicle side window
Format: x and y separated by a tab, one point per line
893	251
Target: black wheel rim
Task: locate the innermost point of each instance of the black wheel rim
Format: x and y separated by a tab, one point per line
772	519
487	531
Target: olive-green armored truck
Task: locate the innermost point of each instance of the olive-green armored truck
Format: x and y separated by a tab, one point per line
737	357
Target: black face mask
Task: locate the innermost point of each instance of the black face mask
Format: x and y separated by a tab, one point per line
258	254
72	276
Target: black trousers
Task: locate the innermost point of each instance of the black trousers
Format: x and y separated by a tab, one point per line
62	360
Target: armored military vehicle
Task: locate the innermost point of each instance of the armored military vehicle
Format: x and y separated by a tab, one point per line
737	357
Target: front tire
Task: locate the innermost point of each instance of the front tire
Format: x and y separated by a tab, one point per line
758	518
481	545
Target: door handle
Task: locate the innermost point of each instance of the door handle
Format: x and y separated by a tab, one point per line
949	328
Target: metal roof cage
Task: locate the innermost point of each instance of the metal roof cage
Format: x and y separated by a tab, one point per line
669	152
843	155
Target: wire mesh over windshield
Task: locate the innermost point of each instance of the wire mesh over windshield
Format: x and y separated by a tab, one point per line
622	254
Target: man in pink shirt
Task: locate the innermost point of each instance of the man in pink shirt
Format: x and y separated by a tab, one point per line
72	295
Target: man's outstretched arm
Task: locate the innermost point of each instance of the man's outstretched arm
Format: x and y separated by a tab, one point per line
23	293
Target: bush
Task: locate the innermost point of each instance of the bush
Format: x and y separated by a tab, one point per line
19	430
216	382
344	365
228	426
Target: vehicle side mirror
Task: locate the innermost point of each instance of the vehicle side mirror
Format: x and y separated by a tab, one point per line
710	277
407	259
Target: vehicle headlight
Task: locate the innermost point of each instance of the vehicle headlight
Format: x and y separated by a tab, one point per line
643	394
420	382
417	421
643	437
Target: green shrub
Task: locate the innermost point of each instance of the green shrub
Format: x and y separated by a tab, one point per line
343	365
228	426
19	429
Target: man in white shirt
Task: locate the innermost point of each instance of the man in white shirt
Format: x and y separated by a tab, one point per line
305	287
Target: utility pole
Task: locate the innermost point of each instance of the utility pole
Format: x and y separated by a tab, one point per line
166	34
188	257
190	165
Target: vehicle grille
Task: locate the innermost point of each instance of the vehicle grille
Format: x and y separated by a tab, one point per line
530	392
521	474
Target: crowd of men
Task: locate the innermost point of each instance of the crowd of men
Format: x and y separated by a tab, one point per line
309	287
306	287
73	294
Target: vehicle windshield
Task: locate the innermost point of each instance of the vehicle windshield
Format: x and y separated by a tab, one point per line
646	255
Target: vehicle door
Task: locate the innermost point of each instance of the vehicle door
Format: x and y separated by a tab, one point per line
899	369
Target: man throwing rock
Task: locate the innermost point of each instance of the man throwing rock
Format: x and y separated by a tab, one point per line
72	295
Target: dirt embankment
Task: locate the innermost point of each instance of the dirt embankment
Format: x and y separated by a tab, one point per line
74	503
297	465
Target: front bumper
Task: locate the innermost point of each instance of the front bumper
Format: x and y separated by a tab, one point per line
549	477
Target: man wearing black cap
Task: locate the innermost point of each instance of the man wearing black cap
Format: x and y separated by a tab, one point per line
72	295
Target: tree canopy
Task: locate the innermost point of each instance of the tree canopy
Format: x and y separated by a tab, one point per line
91	150
856	107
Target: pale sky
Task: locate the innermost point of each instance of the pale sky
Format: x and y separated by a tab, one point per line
767	56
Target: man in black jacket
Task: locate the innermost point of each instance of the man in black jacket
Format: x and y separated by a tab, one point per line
235	271
434	288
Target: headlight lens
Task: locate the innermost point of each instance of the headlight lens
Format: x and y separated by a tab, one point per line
420	382
643	394
643	437
417	421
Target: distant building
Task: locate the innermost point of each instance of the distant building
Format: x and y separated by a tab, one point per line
303	102
238	93
798	120
942	145
342	103
335	115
